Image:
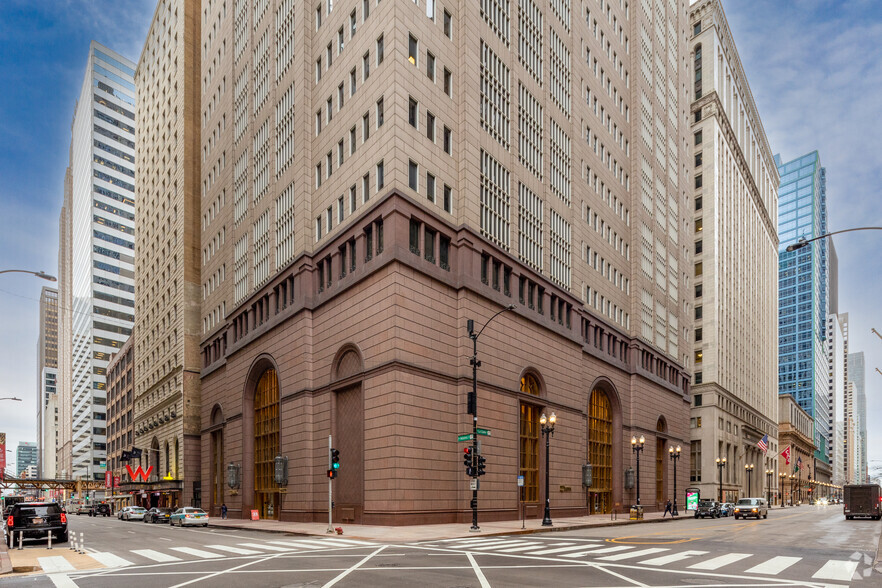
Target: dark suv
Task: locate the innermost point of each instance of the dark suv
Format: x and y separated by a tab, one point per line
707	508
102	509
36	520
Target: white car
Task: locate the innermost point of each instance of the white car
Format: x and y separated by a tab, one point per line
189	516
133	513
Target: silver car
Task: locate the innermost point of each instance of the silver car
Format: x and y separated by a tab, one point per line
751	507
134	513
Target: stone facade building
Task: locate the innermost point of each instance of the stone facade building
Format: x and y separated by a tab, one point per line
120	409
795	430
376	174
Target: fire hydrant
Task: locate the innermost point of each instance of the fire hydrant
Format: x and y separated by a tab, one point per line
339	530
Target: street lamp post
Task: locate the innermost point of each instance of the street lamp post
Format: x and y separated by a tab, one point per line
42	275
749	470
473	407
675	456
721	463
782	477
548	431
769	486
792	478
637	447
11	398
801	242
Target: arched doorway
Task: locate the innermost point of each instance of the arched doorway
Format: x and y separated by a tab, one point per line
528	446
266	444
348	429
600	452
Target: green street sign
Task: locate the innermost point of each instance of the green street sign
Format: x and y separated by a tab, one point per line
466	437
485	432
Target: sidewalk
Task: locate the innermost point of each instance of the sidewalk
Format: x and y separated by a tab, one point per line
435	532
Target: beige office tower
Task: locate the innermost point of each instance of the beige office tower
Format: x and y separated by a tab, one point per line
64	453
733	276
378	174
47	387
167	279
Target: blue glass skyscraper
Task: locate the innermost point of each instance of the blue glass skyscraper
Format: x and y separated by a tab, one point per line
802	291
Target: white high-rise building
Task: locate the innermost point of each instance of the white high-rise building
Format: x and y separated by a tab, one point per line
102	228
837	352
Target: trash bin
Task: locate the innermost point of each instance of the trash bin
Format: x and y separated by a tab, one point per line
636	513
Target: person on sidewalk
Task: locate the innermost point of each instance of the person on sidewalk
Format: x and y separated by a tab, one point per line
668	509
224	510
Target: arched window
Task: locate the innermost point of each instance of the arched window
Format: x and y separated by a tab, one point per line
266	443
528	457
530	384
600	451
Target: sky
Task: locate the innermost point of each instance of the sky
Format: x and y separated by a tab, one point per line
814	68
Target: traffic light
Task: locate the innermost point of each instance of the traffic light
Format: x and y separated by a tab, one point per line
335	463
481	461
468	461
332	474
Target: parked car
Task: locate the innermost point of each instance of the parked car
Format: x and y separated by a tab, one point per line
36	519
752	507
120	512
189	516
158	515
707	508
134	513
726	509
102	509
84	508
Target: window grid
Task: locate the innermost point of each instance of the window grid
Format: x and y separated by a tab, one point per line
260	237
240	269
561	163
530	223
495	201
240	188
530	38
530	152
261	161
561	269
495	96
285	131
496	14
285	226
560	73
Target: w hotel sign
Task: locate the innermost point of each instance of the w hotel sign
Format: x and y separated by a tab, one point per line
139	473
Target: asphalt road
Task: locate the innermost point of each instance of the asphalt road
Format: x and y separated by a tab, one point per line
805	546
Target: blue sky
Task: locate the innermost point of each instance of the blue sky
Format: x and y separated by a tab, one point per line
814	67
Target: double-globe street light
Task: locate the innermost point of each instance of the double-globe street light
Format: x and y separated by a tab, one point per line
721	463
637	447
473	407
548	431
675	455
782	478
769	486
749	469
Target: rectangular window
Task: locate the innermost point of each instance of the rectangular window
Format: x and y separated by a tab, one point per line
318	122
381	176
698	203
365	187
448	25
379	113
448	198
329	218
329	107
447	136
699	334
413	109
318	70
448	82
366	65
699	269
699	246
698	159
698	138
352	23
329	163
366	127
697	399
444	253
351	140
429	244
352	82
318	228
430	127
318	175
340	41
414	236
698	181
695	462
697	117
380	50
340	152
318	17
699	290
697	28
352	196
698	312
413	47
413	176
365	9
699	225
699	377
329	55
430	66
430	187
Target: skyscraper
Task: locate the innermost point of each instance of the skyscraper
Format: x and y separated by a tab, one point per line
47	397
802	285
837	353
98	230
26	456
856	419
380	173
734	267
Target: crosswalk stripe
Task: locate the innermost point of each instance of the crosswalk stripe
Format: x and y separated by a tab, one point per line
483	542
337	540
264	546
666	559
231	549
62	581
718	562
295	544
559	548
776	565
197	552
837	569
498	545
596	551
155	555
527	547
633	554
320	543
56	563
110	560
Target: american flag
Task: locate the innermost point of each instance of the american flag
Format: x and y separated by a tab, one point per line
763	443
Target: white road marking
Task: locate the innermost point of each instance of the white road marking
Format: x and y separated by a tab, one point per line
110	560
498	545
776	565
56	563
718	562
471	542
528	546
666	559
355	567
560	549
480	575
336	540
837	569
197	552
155	555
264	546
62	581
319	543
596	551
632	554
295	544
231	549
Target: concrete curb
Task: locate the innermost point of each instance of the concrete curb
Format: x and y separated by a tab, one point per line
5	562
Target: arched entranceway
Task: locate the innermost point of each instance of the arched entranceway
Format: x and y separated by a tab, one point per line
217	461
661	428
600	453
348	431
528	441
266	444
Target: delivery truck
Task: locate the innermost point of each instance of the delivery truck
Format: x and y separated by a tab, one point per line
862	500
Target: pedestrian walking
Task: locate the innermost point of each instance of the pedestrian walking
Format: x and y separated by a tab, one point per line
224	510
668	509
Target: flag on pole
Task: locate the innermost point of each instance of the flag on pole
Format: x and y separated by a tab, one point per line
798	464
764	443
785	453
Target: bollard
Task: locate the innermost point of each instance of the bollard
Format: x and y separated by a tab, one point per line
82	543
20	540
72	542
50	539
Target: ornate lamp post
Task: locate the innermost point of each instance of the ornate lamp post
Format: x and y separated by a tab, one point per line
548	431
792	478
721	463
769	486
782	477
749	470
637	447
675	456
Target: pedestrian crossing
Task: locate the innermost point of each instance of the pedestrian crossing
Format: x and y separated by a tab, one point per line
182	553
600	551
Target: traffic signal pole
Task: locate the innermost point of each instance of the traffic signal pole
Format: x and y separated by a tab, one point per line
473	404
330	490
